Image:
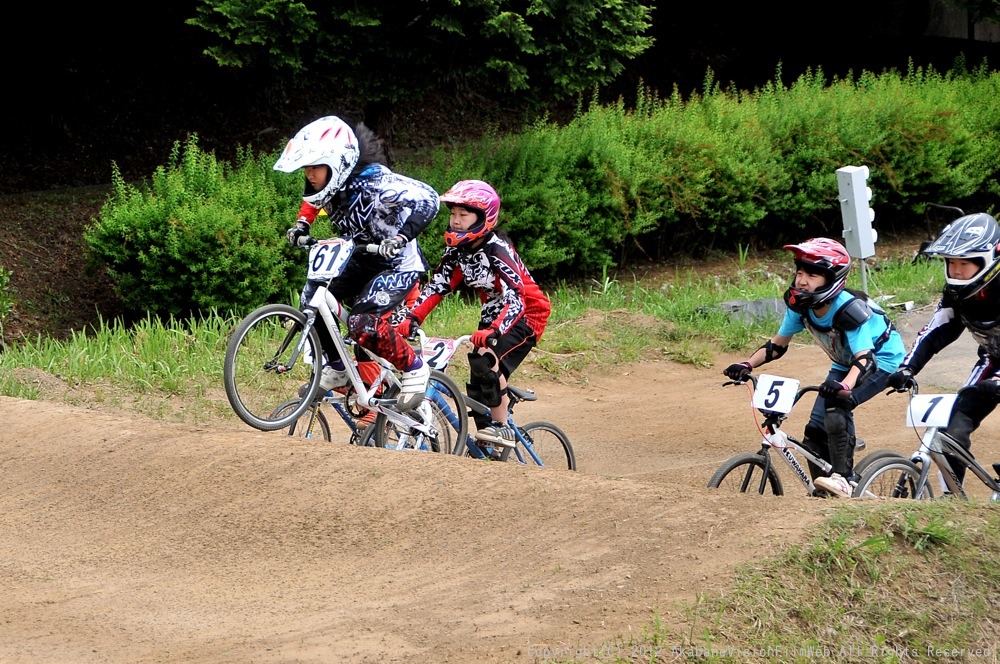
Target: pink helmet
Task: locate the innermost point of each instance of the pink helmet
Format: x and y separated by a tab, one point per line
479	197
818	256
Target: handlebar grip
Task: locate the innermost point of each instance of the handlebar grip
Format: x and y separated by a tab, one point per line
492	341
371	248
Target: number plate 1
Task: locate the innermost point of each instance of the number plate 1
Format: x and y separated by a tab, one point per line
930	410
775	393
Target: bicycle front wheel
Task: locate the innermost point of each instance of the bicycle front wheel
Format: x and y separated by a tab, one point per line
869	459
747	473
544	444
268	360
891	478
443	409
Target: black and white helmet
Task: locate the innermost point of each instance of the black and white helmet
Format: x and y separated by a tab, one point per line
975	238
328	141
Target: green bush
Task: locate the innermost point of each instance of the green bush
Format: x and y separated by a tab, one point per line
203	236
720	169
728	168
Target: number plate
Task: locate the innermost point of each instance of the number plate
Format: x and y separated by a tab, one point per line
437	352
327	258
775	393
930	410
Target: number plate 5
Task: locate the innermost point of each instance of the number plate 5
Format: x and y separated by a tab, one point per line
775	393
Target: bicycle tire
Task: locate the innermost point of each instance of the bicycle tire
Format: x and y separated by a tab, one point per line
872	457
264	341
745	473
891	478
550	444
443	408
300	428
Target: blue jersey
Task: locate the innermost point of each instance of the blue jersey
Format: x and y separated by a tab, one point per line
876	334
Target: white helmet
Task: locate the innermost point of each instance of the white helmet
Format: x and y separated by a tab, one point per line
328	141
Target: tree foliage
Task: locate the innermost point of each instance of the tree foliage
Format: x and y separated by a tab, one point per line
387	51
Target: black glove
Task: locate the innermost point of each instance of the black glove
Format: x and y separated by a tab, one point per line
901	380
830	388
390	247
738	371
298	235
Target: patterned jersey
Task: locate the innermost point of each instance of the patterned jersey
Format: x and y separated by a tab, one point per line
377	204
876	334
979	314
505	287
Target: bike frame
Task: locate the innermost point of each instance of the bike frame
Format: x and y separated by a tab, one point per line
332	314
785	444
932	453
440	361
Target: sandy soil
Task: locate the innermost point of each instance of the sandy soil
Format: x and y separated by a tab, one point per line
127	540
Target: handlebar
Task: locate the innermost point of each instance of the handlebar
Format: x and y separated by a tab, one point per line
750	378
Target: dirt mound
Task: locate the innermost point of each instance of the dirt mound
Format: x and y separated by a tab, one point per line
130	540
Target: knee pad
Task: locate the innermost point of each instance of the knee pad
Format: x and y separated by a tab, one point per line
836	423
486	382
815	434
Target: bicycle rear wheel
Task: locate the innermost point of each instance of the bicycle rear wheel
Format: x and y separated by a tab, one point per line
443	409
265	367
310	424
545	445
747	473
891	478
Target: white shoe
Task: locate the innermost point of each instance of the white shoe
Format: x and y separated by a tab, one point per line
413	387
332	378
835	485
497	434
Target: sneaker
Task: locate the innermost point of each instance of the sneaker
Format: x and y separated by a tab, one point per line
497	434
413	387
330	379
836	485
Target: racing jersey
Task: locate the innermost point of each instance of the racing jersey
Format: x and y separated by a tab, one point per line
506	290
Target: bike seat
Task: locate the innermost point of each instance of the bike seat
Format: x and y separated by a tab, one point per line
522	394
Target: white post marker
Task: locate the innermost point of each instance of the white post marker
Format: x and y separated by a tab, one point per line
855	202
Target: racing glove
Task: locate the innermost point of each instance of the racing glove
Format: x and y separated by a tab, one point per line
408	328
298	235
391	246
738	371
484	337
901	380
830	388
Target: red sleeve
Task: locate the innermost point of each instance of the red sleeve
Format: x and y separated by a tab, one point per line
307	213
422	310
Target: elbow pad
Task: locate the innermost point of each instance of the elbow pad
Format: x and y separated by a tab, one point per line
772	351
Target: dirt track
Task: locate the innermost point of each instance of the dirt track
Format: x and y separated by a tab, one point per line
126	540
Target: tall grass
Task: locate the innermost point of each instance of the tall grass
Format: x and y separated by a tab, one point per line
677	315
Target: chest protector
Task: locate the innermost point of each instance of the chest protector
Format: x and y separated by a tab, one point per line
855	313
